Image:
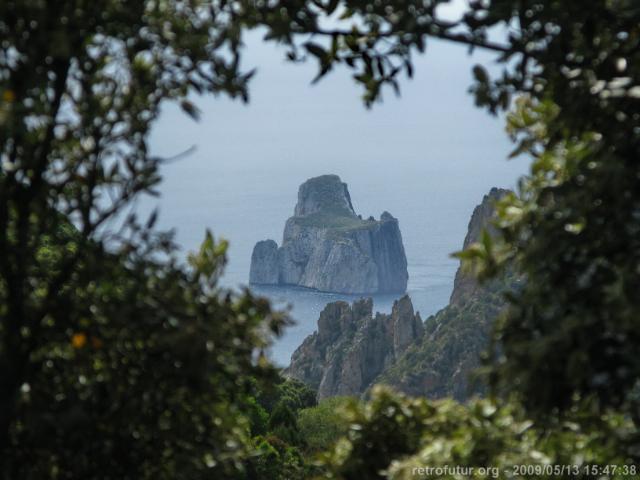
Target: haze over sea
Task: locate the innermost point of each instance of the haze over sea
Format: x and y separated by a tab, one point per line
427	157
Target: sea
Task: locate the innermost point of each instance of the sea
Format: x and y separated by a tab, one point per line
427	157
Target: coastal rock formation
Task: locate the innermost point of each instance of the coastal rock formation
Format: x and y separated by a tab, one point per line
327	246
465	284
352	346
352	350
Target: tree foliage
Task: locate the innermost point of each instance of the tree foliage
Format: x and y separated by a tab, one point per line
572	231
321	426
279	444
393	436
146	364
116	360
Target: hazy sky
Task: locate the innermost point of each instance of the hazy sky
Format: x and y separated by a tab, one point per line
289	121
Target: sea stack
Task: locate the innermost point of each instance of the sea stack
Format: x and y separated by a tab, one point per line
328	247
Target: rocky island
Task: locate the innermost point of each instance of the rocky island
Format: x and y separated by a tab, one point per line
328	247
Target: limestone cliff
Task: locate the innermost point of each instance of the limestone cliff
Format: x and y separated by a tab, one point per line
327	247
352	346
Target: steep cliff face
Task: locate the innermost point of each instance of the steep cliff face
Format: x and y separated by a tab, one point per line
465	284
353	350
264	263
352	346
326	246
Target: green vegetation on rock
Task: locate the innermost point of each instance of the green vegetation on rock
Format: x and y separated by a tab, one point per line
446	360
335	221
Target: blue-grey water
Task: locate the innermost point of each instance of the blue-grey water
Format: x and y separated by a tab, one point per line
427	157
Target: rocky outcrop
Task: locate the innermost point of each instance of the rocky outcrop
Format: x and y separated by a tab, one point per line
327	246
465	284
352	346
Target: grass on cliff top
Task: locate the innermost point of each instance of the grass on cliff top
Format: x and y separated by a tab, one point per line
334	220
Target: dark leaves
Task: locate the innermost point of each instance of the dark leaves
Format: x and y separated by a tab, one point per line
190	109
